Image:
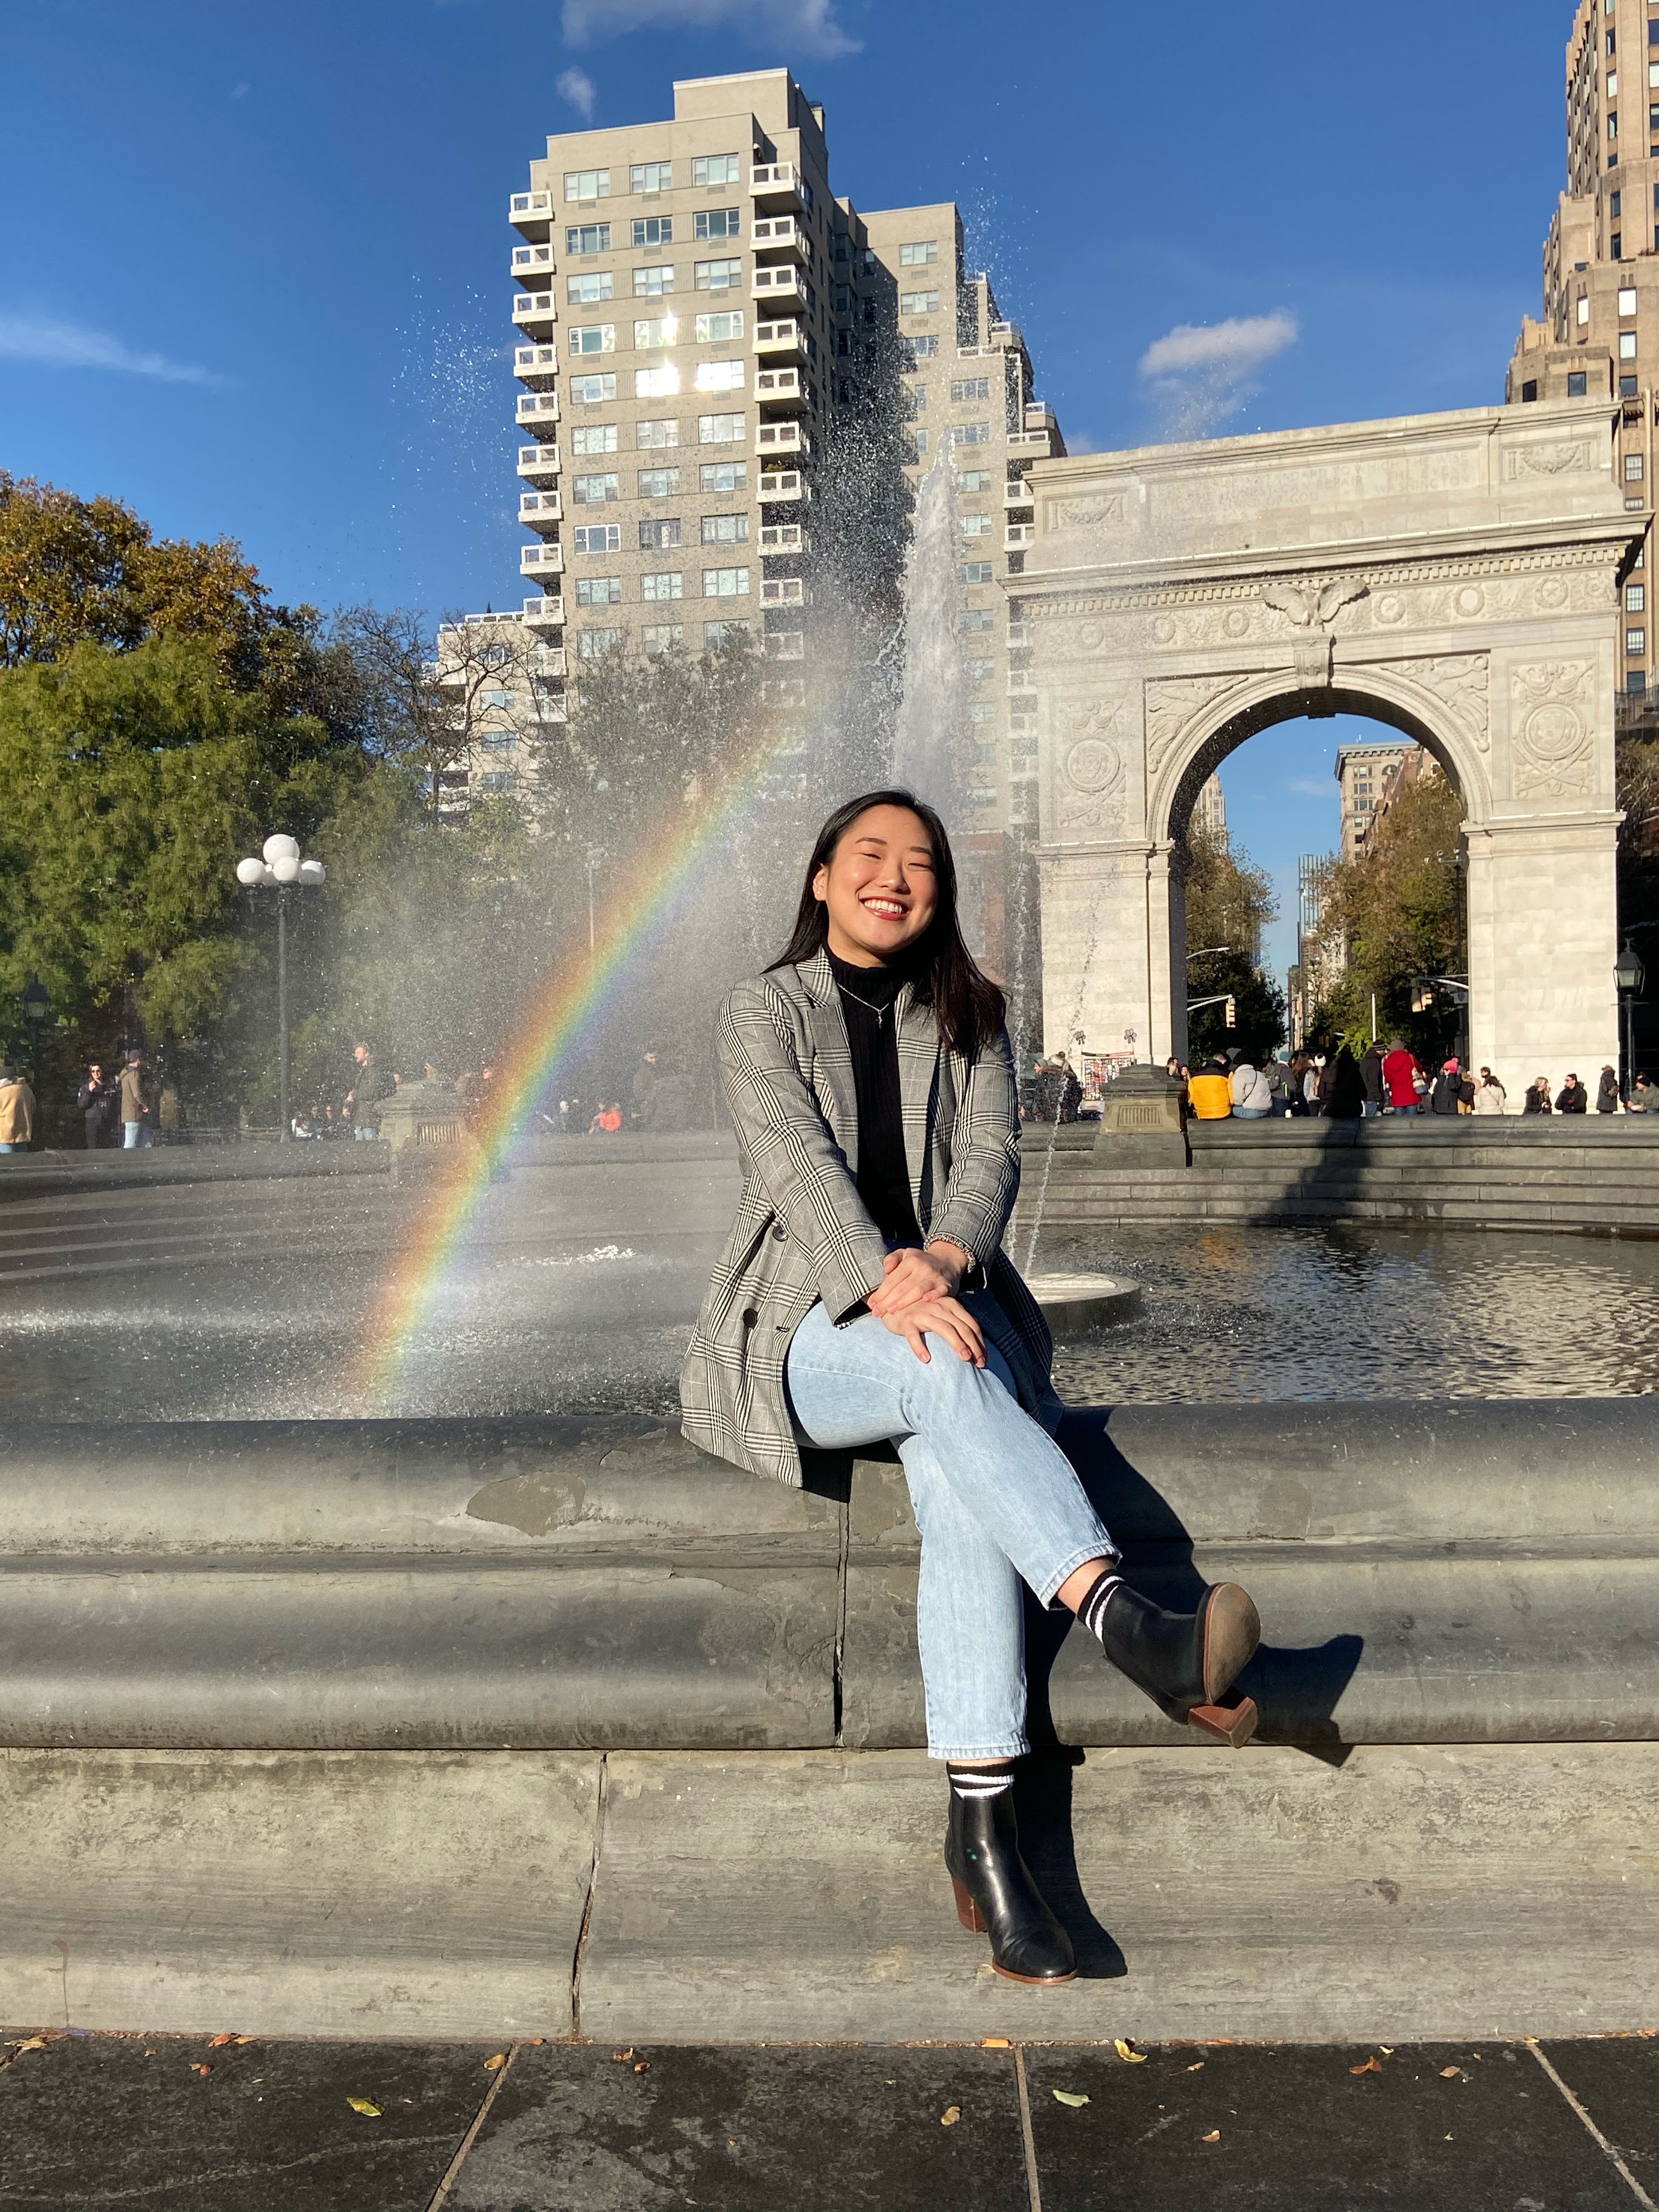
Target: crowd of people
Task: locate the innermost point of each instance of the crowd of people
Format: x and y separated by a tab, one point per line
1383	1080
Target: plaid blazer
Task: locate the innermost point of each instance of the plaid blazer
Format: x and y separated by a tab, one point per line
802	1232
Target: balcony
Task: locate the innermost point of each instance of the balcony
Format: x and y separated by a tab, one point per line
536	366
549	662
535	314
774	338
537	409
780	387
1017	534
781	484
785	645
782	233
781	284
783	592
1029	442
776	181
1005	334
531	214
545	613
782	538
532	265
539	463
780	438
1017	493
540	510
541	560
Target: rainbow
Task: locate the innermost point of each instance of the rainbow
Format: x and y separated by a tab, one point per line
558	1025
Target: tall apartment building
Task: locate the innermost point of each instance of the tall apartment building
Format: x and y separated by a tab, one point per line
728	374
1363	773
1598	337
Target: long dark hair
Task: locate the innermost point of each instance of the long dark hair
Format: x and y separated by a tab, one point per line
968	1008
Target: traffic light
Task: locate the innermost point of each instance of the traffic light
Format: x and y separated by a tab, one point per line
1230	1014
1422	994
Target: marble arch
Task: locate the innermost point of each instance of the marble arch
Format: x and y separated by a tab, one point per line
1455	575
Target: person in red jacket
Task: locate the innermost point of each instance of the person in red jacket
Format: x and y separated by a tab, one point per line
1400	1073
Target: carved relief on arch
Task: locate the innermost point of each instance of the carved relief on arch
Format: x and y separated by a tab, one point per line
1459	681
1552	706
1091	773
1174	703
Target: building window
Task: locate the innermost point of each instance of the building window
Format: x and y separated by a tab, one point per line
719	276
974	480
593	337
919	348
587	238
724	476
974	572
726	583
1613	124
1627	387
716	634
1615	204
975	618
717	222
1578	386
1627	299
651	436
918	253
1636	641
975	525
918	443
918	398
1636	598
499	779
719	328
1619	252
659	331
719	430
670	584
598	538
970	387
660	484
593	438
589	391
656	383
660	537
654	283
918	303
598	591
1636	683
585	291
1634	468
654	230
662	637
725	530
719	376
1583	309
970	434
594	644
1626	345
717	169
983	710
1530	389
650	177
594	490
587	184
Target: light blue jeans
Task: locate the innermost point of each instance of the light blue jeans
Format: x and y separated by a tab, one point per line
138	1135
996	1500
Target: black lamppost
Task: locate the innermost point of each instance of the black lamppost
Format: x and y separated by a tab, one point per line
1629	976
282	871
37	1005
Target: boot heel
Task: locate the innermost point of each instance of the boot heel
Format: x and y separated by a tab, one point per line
1232	1724
966	1912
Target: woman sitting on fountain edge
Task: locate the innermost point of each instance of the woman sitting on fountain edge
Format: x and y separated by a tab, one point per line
863	1295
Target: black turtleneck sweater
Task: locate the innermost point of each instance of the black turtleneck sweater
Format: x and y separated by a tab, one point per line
883	1178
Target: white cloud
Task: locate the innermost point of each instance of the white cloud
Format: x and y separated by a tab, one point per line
801	27
1309	789
580	89
42	339
241	90
1201	374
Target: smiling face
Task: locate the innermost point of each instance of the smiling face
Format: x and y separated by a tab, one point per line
879	885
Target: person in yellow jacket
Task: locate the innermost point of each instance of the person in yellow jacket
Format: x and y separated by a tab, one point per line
1210	1092
16	1111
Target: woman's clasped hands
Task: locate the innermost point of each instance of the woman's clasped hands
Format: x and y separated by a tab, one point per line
918	1299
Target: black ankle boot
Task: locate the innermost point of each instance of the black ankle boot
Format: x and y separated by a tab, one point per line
996	1895
1184	1661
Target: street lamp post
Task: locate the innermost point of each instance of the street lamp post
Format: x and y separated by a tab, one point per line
1629	974
281	870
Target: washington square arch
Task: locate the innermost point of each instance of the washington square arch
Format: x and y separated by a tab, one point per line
1455	575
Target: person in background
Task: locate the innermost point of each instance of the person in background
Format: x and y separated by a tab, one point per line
1071	1090
98	1101
1538	1096
16	1110
1252	1097
1345	1099
1489	1097
607	1121
1643	1096
1370	1080
1313	1086
1607	1092
1400	1073
1447	1096
362	1100
1210	1092
1573	1097
136	1105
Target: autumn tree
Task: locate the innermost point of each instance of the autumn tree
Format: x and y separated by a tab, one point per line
1229	905
1398	908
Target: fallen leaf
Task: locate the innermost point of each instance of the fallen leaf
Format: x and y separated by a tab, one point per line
628	2053
1214	2136
642	2065
32	2043
366	2105
950	2116
241	2039
996	2043
1386	2049
203	2070
1070	2097
1372	2065
496	2062
1126	2052
535	2041
1445	2138
218	2042
1195	2066
1450	2073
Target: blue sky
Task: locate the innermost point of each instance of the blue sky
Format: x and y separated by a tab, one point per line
254	275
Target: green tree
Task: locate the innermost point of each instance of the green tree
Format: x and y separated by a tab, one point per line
1397	908
1229	904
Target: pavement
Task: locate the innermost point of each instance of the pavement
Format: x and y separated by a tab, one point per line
231	2123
